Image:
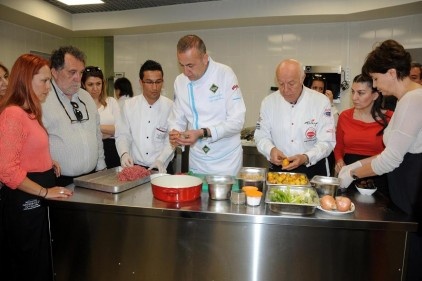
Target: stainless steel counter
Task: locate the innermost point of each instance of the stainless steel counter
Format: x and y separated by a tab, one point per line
132	236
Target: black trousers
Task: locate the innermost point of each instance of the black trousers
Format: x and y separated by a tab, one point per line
25	252
112	158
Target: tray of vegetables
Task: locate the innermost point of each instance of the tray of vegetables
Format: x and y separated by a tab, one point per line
285	178
292	200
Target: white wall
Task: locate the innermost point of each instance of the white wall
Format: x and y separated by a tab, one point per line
16	40
254	53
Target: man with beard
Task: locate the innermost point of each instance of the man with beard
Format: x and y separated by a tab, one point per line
71	118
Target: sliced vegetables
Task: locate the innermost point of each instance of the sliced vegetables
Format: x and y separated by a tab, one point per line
306	196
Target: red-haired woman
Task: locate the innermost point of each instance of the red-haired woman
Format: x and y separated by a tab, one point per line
27	172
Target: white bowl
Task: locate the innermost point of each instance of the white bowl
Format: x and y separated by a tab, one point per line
366	191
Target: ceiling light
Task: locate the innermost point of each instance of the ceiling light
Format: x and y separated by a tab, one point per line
80	2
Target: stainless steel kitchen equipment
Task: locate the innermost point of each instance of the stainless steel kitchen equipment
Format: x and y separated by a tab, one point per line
219	187
252	176
293	208
135	236
325	185
286	178
107	181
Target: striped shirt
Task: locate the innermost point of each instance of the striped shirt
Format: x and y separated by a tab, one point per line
77	146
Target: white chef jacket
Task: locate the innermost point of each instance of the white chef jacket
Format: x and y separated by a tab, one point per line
142	131
305	127
214	101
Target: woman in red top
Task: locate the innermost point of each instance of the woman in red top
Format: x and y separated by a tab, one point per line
360	128
27	172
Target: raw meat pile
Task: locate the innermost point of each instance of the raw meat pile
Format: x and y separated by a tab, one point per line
133	173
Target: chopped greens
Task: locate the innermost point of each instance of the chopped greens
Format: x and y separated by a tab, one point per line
308	196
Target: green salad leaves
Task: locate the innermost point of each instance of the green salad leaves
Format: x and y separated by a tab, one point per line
306	196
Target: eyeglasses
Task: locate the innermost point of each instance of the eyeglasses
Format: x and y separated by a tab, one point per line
150	82
92	69
78	114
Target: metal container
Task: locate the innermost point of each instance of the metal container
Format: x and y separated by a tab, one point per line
289	179
238	197
107	181
252	176
325	185
219	187
293	208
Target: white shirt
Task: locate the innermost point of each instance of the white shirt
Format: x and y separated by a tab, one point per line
305	127
77	146
142	131
214	101
403	133
122	100
108	114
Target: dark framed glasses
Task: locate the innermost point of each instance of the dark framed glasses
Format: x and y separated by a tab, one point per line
75	106
78	113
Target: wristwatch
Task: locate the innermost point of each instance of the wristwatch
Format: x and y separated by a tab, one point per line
205	133
307	159
354	176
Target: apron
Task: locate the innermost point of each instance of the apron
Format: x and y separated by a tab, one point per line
319	169
405	184
24	233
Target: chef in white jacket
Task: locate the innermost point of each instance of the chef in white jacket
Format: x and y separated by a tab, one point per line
141	130
208	112
296	124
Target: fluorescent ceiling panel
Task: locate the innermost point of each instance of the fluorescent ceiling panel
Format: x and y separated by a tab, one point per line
81	2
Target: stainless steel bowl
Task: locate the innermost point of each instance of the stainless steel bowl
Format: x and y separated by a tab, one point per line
252	176
325	185
219	187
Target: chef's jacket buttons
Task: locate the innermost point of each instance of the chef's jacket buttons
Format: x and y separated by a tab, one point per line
147	137
149	122
146	153
292	141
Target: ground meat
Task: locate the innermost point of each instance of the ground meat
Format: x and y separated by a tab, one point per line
132	173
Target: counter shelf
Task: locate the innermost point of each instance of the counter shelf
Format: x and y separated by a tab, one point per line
134	236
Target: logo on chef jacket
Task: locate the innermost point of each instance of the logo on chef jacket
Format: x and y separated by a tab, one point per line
235	87
311	122
214	88
310	133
